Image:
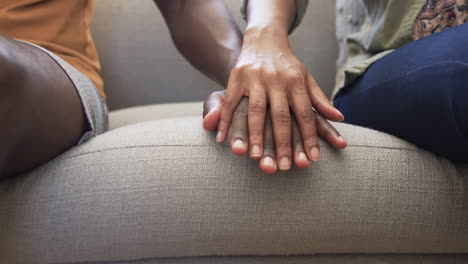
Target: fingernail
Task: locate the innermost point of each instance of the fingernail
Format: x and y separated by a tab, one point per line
268	161
314	154
302	156
219	136
340	138
284	163
238	144
256	151
342	119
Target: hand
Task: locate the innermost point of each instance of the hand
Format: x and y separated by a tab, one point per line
239	131
267	71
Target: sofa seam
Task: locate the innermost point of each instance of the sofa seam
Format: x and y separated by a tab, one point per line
188	145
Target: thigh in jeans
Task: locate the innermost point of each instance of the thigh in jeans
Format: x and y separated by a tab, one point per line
418	93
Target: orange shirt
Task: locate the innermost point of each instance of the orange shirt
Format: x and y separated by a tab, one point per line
61	26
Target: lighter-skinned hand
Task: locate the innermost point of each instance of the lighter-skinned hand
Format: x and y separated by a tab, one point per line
269	73
268	159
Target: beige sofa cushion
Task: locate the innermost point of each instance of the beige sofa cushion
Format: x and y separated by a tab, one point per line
164	189
140	114
310	259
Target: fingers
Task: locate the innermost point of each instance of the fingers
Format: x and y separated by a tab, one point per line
211	110
325	130
281	120
300	156
239	128
320	101
305	117
229	103
268	161
329	133
256	122
212	102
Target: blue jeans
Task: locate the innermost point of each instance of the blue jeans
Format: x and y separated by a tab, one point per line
419	93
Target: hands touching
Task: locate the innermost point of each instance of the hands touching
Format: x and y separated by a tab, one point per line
239	131
259	65
268	72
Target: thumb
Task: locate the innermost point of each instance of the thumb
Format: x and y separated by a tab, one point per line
212	110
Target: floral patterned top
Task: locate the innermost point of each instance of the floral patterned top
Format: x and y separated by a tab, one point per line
439	15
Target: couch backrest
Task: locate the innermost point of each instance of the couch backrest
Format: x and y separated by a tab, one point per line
141	65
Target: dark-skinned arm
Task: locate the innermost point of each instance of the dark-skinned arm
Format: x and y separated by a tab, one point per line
205	33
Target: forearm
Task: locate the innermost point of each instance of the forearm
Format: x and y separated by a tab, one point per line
205	34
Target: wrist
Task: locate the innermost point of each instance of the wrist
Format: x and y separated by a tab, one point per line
269	35
277	15
268	27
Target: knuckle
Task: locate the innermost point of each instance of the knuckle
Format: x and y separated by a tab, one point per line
294	77
283	147
247	69
257	107
238	70
282	117
227	101
254	70
299	90
312	141
308	115
300	67
270	73
255	137
223	123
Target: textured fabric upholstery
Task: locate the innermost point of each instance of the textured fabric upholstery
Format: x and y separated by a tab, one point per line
135	115
164	189
314	259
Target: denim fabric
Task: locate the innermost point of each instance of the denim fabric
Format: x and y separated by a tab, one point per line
418	93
